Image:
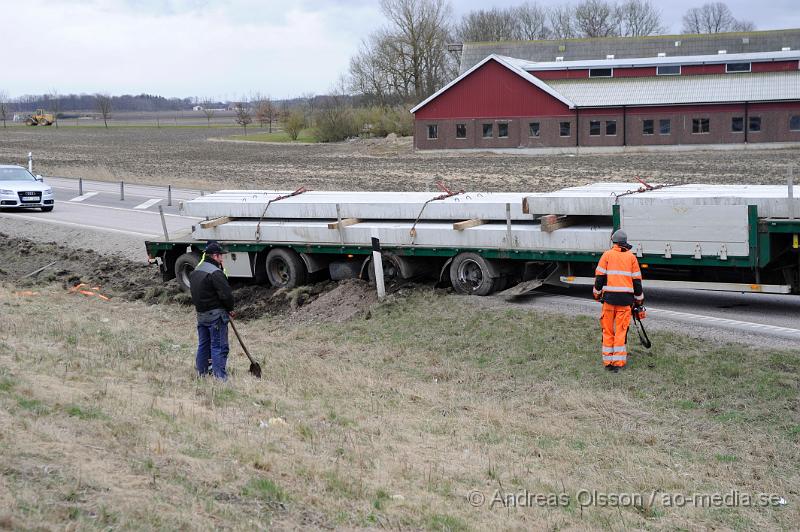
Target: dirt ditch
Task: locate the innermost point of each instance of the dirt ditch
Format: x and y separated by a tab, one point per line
113	277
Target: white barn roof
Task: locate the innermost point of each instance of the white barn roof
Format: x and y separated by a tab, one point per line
756	57
676	90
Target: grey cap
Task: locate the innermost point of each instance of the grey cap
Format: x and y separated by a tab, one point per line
619	237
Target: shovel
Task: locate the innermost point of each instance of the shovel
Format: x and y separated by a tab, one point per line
255	368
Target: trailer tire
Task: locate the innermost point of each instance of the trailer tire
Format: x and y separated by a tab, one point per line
184	266
471	274
285	268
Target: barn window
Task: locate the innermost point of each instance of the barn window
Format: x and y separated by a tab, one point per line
664	126
461	131
648	127
794	123
502	130
564	129
737	124
755	124
668	70
611	127
732	68
433	131
594	128
533	129
601	72
701	125
488	131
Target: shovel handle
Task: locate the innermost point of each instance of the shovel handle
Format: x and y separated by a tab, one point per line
246	352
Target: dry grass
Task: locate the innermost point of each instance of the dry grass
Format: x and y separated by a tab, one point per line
391	421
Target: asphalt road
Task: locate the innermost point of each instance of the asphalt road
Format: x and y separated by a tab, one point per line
102	207
732	315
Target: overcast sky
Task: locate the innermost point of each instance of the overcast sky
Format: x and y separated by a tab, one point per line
222	48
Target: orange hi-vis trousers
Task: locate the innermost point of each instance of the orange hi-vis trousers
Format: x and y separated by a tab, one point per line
615	321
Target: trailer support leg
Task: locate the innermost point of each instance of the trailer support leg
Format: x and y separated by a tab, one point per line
163	222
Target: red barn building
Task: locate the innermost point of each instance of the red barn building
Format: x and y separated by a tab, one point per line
502	102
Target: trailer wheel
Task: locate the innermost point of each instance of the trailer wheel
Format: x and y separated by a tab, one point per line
391	269
471	275
184	266
285	268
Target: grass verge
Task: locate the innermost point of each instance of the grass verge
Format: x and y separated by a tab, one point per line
394	420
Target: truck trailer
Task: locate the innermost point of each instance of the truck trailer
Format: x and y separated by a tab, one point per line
741	238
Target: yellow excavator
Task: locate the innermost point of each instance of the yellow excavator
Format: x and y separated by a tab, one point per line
40	118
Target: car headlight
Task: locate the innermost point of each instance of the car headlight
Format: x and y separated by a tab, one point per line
3	191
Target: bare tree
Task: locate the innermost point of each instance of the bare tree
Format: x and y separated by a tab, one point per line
264	112
207	106
55	105
638	18
713	18
4	107
532	21
243	116
562	22
489	25
596	18
410	54
103	104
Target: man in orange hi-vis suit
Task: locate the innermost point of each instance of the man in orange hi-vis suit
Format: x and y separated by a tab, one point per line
618	285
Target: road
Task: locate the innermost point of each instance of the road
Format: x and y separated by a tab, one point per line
101	208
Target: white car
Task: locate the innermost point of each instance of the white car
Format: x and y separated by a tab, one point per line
20	189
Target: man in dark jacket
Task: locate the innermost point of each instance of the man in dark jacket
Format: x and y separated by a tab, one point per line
213	299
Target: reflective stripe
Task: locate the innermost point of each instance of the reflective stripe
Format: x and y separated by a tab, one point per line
600	270
608	288
614	358
637	275
615	349
626	274
639	298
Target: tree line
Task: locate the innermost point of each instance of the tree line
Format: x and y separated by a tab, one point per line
409	59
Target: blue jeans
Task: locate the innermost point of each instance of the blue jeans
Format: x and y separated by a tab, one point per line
212	344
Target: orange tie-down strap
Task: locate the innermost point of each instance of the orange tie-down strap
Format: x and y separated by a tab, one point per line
86	290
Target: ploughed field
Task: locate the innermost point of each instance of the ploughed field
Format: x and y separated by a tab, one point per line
184	156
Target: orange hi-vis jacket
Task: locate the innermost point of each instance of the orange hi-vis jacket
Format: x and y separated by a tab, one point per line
618	279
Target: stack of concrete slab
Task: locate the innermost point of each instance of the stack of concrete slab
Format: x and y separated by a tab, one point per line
597	199
363	205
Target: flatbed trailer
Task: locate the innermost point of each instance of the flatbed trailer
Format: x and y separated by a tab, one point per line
741	238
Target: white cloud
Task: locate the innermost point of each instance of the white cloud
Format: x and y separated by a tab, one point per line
182	48
220	48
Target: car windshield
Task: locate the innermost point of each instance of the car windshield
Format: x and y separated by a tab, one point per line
15	174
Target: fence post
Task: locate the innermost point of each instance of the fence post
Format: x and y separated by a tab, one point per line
169	195
30	161
80	186
377	266
122	190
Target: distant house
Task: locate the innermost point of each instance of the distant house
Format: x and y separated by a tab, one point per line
664	98
197	108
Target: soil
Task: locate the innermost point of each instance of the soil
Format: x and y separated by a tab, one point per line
186	157
117	277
